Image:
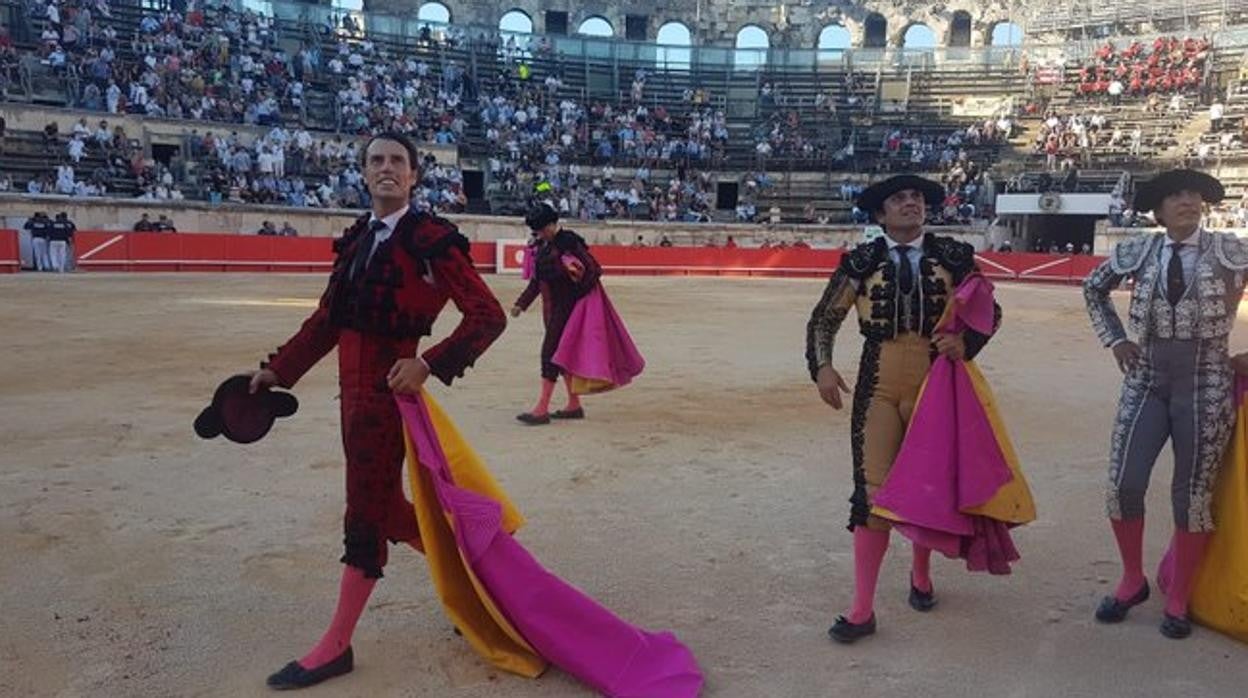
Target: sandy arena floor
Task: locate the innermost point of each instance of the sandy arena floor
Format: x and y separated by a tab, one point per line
709	498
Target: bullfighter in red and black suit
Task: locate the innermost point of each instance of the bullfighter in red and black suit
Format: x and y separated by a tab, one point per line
393	273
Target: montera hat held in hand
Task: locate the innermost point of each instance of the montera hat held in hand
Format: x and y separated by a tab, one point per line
239	415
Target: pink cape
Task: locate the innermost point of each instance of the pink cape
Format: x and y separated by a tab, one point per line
528	263
951	460
595	345
560	623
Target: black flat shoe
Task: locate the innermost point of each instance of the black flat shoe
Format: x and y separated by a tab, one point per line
922	601
578	413
533	419
848	633
1175	627
293	675
1112	610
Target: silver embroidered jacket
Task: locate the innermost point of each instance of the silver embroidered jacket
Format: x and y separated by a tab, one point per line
1207	310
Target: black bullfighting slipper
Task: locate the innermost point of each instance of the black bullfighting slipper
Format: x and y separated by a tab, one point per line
848	633
1176	627
578	413
1112	610
922	601
293	675
533	419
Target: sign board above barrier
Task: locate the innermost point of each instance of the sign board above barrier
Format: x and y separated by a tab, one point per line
894	94
1053	204
1051	74
981	106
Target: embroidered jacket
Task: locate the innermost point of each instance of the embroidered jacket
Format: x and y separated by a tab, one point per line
412	274
550	277
867	280
1207	309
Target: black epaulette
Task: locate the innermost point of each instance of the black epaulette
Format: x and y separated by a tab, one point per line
957	257
863	260
352	232
567	241
431	237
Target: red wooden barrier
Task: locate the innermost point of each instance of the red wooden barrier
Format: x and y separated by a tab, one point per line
10	253
1032	266
122	251
700	261
114	251
796	262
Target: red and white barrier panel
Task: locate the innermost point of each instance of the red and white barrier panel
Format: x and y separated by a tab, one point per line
10	253
692	261
1037	267
792	262
112	251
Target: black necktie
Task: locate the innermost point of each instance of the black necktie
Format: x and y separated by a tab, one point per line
1175	285
364	248
905	273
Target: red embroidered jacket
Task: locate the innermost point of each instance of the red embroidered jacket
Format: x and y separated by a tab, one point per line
412	274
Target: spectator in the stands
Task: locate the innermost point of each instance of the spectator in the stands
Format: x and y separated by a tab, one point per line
1216	111
51	136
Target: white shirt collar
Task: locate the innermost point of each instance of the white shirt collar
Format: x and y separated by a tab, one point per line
391	220
893	244
1192	240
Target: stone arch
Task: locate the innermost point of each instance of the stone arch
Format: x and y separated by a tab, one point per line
516	21
751	46
834	38
875	31
917	35
674	40
596	25
960	29
1005	34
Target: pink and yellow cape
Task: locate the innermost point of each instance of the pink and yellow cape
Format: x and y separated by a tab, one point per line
515	613
595	348
956	485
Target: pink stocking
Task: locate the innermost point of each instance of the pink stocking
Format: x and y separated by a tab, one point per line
1189	550
921	569
1129	533
352	597
869	549
543	403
